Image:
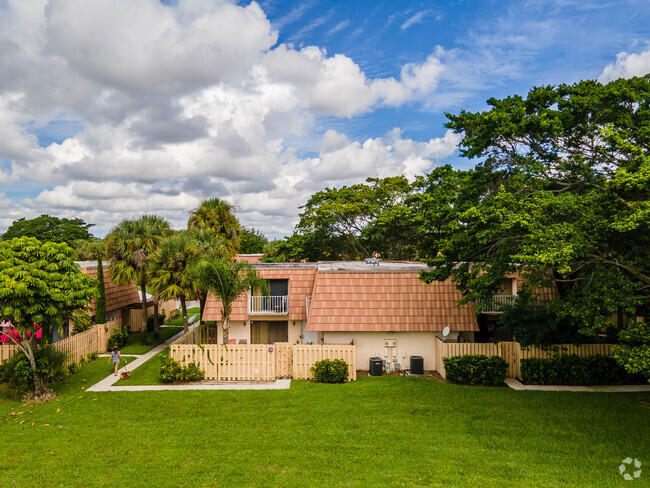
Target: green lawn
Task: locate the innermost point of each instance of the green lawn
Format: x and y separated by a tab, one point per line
190	313
134	347
375	432
148	373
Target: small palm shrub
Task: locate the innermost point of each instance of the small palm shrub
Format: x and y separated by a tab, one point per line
18	375
330	371
171	370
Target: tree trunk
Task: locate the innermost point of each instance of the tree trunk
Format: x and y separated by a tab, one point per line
28	349
143	285
203	298
226	329
184	311
156	321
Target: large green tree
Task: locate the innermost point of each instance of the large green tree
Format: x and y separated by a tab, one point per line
40	286
354	221
252	241
49	229
130	245
228	280
218	216
561	192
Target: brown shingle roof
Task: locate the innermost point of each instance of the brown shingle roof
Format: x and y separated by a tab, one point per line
386	302
116	296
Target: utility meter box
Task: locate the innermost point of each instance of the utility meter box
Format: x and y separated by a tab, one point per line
390	342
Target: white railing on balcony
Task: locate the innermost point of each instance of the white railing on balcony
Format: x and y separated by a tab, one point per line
495	303
307	304
268	305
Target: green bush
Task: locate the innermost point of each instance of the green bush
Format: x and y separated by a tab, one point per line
18	374
161	320
118	338
330	371
476	369
171	370
191	372
573	370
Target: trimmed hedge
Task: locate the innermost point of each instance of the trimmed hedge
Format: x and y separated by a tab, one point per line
476	369
118	338
573	370
330	371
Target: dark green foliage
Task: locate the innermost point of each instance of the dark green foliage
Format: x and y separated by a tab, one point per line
573	370
476	369
252	241
171	370
150	320
118	338
49	229
18	373
535	323
81	322
330	371
100	309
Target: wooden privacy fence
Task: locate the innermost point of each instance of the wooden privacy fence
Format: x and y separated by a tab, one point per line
133	318
514	353
259	362
93	340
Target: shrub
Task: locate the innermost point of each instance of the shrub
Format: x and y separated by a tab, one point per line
18	374
476	369
330	371
573	370
171	370
118	338
161	320
191	372
174	314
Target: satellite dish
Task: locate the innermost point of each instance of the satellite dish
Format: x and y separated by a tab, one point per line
445	331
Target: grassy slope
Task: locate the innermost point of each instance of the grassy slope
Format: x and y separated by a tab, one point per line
148	373
386	431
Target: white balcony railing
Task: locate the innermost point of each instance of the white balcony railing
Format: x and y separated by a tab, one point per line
268	305
495	303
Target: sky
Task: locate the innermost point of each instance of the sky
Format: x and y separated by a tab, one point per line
111	109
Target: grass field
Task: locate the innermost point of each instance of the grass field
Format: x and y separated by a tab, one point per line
375	432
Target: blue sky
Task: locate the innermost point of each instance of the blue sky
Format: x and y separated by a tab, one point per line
112	109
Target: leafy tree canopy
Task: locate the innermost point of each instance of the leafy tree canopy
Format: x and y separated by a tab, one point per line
39	284
562	192
354	221
252	241
49	229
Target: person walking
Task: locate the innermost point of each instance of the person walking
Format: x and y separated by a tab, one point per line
115	357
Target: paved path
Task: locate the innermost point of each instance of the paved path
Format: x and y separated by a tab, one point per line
518	385
107	384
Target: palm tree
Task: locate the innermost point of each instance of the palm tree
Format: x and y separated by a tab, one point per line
170	269
228	280
218	216
95	249
209	246
130	244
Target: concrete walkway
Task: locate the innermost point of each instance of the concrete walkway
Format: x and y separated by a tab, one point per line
107	384
515	384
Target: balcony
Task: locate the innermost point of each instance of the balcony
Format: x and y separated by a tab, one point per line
272	305
495	303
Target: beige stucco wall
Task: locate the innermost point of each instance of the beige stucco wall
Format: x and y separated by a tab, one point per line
371	344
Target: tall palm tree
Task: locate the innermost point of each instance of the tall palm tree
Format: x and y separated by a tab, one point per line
95	249
228	280
170	270
209	246
130	245
218	215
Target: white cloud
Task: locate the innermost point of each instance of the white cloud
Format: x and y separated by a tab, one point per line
416	19
627	65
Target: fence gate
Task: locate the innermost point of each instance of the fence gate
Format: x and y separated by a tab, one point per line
283	359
